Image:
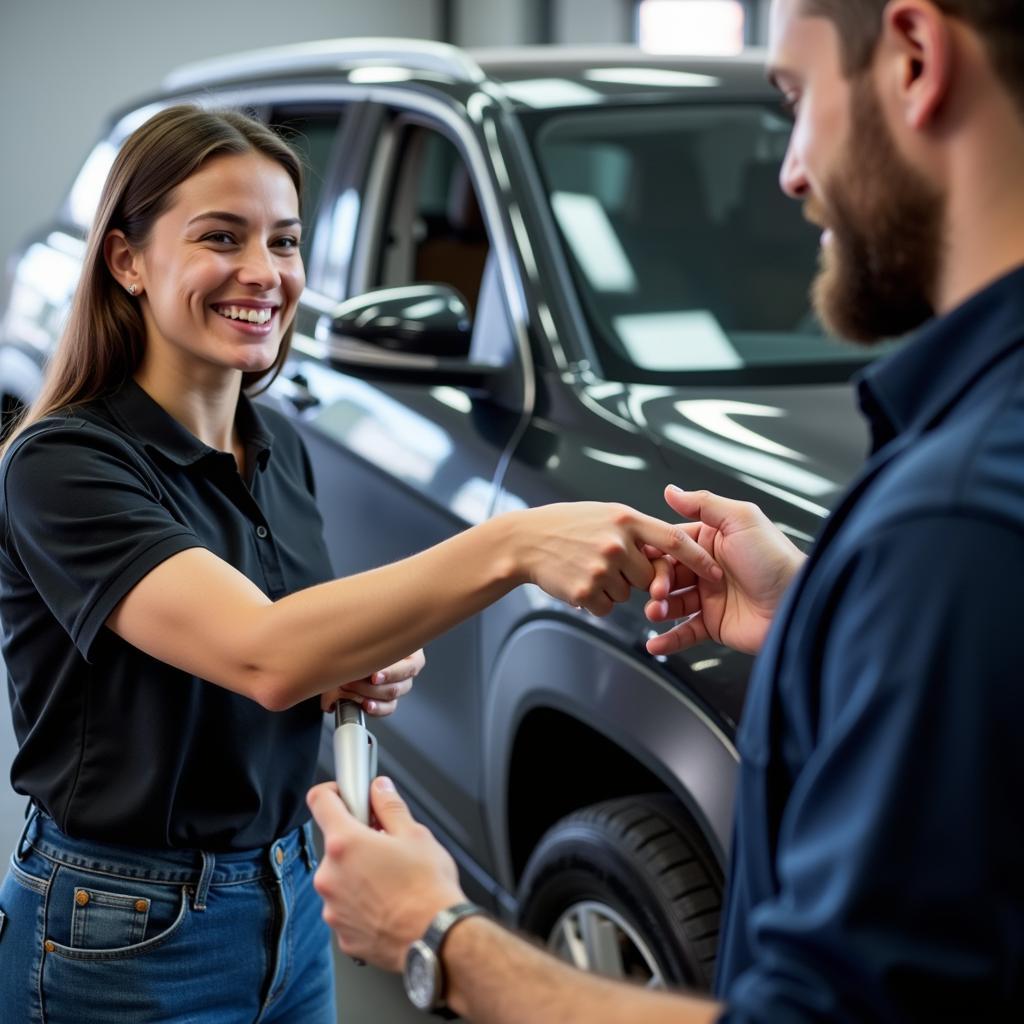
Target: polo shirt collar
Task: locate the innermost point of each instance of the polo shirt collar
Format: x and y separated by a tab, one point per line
143	417
918	384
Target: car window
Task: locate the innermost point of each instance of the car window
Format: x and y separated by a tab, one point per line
686	255
432	228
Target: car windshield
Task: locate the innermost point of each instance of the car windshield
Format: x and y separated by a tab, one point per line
686	254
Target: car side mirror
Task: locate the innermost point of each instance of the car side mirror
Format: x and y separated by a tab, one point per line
419	319
418	332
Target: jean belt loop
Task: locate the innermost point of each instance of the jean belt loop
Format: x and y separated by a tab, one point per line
21	850
203	887
308	850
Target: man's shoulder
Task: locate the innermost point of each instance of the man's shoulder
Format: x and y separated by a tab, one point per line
969	467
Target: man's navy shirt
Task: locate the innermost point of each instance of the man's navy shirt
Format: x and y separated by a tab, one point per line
878	857
115	745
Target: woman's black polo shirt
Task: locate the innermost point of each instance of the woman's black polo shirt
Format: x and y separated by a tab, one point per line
115	745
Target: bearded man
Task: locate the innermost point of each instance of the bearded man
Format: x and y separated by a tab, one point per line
876	871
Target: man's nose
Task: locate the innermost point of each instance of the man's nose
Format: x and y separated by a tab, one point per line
792	178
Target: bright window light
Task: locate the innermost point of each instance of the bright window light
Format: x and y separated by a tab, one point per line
690	26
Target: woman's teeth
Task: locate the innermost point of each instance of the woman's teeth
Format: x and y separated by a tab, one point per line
253	316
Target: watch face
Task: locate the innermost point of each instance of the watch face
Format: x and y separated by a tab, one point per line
420	976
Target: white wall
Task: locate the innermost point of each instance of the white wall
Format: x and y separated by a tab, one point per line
491	23
66	64
591	21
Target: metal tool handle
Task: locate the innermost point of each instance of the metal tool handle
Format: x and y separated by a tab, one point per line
355	758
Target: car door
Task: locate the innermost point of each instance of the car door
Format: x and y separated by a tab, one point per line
402	466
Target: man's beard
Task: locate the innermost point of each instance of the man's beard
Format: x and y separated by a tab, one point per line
880	270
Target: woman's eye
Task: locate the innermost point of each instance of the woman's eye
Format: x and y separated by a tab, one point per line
219	237
287	242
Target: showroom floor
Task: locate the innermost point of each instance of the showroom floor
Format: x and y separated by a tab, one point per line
365	995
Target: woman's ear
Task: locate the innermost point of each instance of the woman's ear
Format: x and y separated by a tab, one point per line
122	261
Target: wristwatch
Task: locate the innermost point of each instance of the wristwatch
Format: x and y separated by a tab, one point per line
424	976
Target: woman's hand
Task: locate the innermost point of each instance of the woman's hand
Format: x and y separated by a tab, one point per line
590	554
759	563
378	694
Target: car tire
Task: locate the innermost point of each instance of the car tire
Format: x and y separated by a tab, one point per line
627	888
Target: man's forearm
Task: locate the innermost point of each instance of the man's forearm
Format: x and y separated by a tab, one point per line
496	978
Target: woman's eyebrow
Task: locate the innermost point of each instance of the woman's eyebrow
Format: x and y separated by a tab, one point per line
234	218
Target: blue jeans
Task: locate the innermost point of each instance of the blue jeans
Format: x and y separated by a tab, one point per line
91	932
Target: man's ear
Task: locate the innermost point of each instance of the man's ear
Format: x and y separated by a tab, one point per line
917	45
122	261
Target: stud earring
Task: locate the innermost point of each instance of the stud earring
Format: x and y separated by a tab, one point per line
132	289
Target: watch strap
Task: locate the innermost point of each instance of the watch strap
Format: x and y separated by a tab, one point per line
435	937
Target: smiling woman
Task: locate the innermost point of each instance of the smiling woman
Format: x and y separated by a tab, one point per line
218	278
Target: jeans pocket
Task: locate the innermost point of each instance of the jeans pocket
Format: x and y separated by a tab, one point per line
101	920
108	917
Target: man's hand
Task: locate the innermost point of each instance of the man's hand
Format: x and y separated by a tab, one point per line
590	554
380	889
759	563
379	694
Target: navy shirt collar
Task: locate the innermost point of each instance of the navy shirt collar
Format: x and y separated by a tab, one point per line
140	415
916	386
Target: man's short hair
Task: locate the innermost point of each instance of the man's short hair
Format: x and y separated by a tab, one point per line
999	22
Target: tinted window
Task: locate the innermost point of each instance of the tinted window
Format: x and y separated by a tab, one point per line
433	228
686	254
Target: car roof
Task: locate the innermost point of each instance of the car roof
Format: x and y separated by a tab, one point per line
526	76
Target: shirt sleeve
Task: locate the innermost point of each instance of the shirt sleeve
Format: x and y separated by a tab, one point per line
900	893
84	520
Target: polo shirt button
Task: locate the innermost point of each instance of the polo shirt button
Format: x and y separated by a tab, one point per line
279	855
261	532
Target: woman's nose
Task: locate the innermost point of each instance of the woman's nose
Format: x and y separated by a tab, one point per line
258	267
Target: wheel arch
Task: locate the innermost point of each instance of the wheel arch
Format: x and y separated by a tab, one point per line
557	688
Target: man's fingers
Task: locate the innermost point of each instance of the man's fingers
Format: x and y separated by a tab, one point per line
705	507
679	638
390	809
664	579
329	812
678	606
676	541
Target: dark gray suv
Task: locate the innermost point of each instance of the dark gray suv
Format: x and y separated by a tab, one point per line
532	277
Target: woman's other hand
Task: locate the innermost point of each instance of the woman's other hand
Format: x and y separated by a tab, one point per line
379	694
